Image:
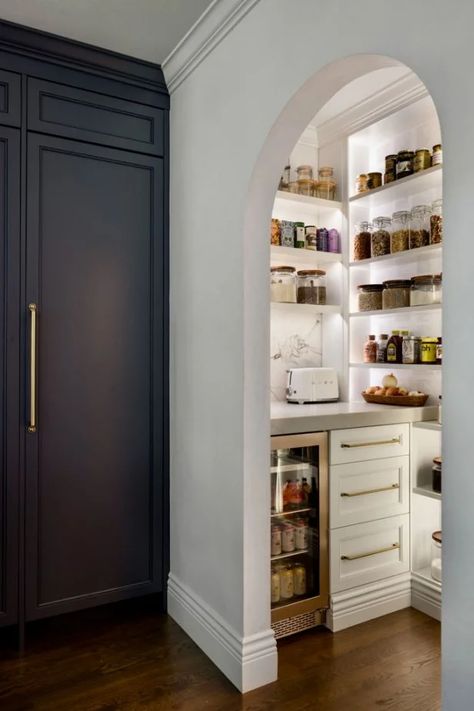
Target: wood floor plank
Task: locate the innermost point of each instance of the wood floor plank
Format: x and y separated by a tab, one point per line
134	659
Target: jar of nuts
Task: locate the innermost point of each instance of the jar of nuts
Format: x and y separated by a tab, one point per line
362	241
380	242
420	226
400	232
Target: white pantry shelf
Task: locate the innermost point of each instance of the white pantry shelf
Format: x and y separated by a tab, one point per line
431	178
428	425
397	366
406	310
409	255
300	308
303	257
307	201
426	491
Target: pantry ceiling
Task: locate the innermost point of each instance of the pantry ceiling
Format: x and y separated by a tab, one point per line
148	29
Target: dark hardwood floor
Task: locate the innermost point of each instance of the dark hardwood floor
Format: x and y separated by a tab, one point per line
133	658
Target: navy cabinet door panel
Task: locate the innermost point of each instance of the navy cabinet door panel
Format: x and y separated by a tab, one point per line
10	98
90	116
9	370
94	467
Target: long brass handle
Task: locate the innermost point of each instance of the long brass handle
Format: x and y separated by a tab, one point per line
353	445
392	487
393	547
33	309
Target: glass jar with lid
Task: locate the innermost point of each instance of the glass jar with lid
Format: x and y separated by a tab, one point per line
325	189
425	289
400	231
436	547
361	183
311	286
362	241
422	160
326	174
304	172
380	241
436	221
283	284
420	226
306	186
370	297
396	293
404	166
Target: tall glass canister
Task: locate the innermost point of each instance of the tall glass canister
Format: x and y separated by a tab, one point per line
299	532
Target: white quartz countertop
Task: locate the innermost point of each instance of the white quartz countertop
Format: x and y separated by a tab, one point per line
293	419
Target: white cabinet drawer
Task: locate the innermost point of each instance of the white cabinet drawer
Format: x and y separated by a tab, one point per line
365	491
368	552
363	443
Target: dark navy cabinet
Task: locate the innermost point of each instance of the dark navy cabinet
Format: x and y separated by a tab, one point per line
84	323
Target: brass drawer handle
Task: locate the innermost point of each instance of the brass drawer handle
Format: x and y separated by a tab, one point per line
380	442
33	309
393	547
392	487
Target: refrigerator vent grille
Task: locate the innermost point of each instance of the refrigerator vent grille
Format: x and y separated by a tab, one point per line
298	623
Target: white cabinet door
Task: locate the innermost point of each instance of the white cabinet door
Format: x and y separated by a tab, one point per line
368	552
365	491
363	443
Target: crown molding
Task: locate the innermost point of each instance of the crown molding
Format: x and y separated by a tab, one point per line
220	18
392	98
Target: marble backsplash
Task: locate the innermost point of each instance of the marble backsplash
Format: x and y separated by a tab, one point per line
295	342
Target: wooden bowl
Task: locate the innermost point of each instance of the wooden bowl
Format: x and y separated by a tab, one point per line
404	400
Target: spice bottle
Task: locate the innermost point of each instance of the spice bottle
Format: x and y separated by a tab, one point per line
370	350
437	157
382	348
394	348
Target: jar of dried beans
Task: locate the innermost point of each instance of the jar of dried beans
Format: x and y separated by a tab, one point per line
381	237
362	241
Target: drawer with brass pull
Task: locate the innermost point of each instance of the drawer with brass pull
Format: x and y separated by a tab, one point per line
368	552
364	443
366	491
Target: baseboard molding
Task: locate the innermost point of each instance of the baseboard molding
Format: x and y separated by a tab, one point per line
426	596
249	662
351	607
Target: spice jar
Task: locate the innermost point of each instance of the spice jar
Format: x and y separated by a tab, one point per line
362	183
400	231
396	293
436	221
380	241
370	350
390	168
304	172
275	586
428	350
420	226
404	164
411	349
436	547
437	157
287	233
311	286
283	285
422	160
436	474
275	234
370	297
374	180
299	579
362	241
425	289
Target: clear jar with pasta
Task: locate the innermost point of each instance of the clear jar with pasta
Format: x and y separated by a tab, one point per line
400	231
420	226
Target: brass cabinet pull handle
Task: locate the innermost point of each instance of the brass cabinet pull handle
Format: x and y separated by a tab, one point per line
392	487
353	445
33	309
393	547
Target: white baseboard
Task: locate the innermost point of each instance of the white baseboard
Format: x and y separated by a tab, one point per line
249	662
351	607
426	596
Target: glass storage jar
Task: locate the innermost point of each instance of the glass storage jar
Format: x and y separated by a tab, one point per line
283	284
422	160
420	226
362	241
390	168
411	349
437	157
436	474
436	547
305	186
400	231
325	189
380	241
304	172
374	180
326	174
311	286
425	289
436	221
370	297
396	293
361	183
404	166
